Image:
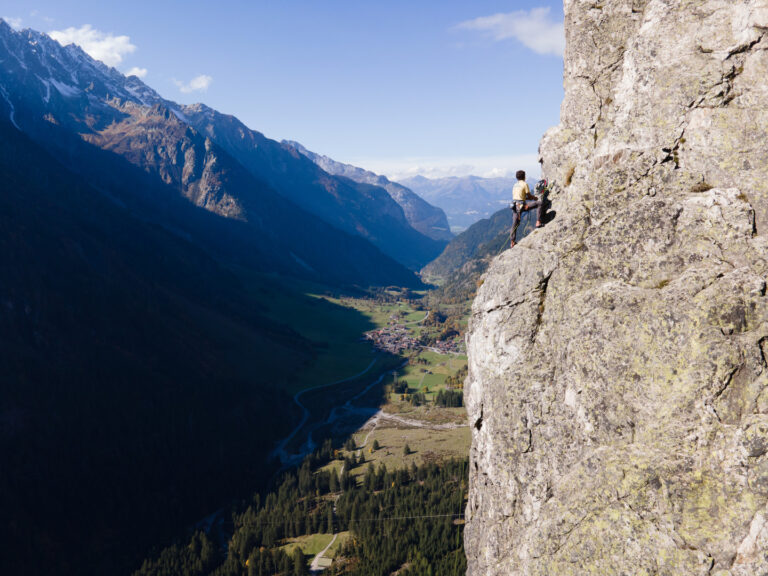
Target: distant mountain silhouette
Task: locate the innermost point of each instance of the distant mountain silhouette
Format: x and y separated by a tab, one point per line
465	199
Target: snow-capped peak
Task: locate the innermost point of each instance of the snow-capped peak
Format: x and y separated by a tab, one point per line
31	62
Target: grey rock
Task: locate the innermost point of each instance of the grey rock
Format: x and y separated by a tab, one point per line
618	385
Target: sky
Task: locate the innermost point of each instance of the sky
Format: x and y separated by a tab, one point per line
431	87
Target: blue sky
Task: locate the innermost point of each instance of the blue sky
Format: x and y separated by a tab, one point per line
434	87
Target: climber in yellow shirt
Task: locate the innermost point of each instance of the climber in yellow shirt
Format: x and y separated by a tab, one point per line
523	200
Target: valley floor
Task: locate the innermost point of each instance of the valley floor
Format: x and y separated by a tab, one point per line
397	411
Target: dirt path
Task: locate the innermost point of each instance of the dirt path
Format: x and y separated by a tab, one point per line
373	422
315	566
367	436
418	423
442	352
376	419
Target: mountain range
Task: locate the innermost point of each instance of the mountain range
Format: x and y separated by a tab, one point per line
142	244
427	219
464	199
52	92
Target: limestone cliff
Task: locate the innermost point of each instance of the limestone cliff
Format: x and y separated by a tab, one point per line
618	386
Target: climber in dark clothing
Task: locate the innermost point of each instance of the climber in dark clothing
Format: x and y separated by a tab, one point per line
523	200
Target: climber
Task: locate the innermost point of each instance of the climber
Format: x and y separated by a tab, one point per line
523	200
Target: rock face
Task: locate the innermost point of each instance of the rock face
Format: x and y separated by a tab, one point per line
618	386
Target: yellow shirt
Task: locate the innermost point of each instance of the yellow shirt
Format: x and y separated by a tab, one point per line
521	192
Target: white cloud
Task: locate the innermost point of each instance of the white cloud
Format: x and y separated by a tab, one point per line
197	84
535	28
136	71
108	48
486	166
14	23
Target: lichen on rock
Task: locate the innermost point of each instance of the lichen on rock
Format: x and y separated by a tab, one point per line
618	384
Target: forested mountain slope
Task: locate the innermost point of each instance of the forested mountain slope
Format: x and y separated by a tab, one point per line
132	362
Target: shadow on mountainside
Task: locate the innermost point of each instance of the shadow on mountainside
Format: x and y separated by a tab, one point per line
141	376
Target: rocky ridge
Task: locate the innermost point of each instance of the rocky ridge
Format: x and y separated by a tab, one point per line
46	88
618	383
427	219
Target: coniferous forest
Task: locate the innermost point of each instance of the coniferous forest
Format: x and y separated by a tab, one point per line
407	521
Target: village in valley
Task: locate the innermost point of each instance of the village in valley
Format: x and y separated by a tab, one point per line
397	338
394	339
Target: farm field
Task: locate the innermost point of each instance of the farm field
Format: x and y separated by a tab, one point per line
426	446
426	373
432	433
310	545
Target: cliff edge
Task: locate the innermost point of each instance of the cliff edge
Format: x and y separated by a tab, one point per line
618	385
